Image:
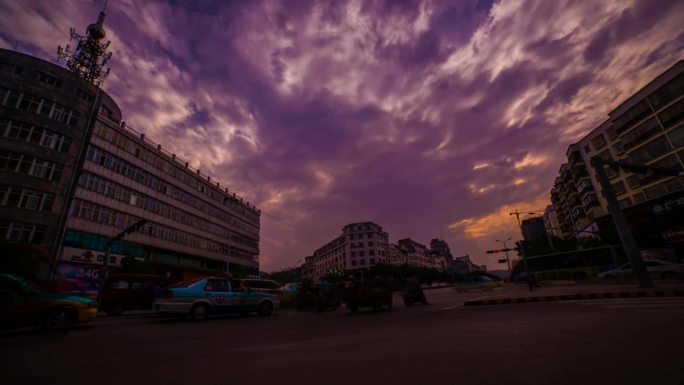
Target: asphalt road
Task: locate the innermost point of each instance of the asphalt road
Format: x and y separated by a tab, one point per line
620	341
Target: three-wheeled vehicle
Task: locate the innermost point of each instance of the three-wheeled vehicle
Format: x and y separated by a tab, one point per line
375	293
324	295
413	292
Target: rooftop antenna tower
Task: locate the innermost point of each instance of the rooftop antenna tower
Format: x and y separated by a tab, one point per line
91	56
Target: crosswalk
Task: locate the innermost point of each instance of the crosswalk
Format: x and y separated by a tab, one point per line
650	304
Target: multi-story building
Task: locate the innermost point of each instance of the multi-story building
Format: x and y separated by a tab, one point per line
417	253
45	112
533	228
644	129
73	176
361	245
441	247
398	255
551	222
463	265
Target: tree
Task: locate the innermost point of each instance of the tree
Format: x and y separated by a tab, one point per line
283	276
238	272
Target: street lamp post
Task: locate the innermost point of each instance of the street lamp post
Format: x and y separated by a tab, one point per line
508	261
105	266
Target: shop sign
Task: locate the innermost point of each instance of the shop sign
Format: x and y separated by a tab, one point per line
73	254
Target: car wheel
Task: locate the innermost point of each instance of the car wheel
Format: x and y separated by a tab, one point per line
58	320
423	299
353	307
115	309
199	312
389	304
265	309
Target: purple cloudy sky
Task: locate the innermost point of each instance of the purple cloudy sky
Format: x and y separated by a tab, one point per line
430	118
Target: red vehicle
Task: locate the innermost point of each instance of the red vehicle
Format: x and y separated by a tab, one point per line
121	292
34	264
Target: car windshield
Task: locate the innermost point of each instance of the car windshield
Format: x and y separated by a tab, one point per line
184	284
25	285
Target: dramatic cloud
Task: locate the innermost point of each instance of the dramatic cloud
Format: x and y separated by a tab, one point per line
431	118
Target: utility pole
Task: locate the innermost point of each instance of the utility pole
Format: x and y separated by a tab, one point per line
134	227
628	242
505	249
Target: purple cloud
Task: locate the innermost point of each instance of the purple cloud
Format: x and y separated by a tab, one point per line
431	118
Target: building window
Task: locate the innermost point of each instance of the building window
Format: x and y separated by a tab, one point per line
598	142
85	95
50	80
667	93
619	187
372	261
677	137
29	103
371	252
361	254
587	149
640	133
362	262
650	151
632	116
353	263
22	232
353	254
370	244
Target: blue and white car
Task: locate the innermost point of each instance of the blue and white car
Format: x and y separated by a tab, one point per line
200	298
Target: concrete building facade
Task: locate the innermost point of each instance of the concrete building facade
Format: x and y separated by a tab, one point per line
73	175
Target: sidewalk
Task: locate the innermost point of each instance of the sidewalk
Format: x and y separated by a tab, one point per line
518	293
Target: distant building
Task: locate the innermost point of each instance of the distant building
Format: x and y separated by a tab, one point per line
463	265
534	228
417	253
398	254
441	247
361	245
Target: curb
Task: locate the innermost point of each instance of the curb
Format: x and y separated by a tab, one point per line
567	297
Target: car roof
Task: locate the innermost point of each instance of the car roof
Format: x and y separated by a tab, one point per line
135	276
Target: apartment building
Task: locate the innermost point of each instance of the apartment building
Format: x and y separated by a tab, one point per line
361	245
417	253
646	128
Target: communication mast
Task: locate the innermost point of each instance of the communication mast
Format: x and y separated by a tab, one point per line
91	56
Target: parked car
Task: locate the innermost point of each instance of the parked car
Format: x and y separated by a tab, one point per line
288	293
476	283
656	269
121	292
200	298
24	305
